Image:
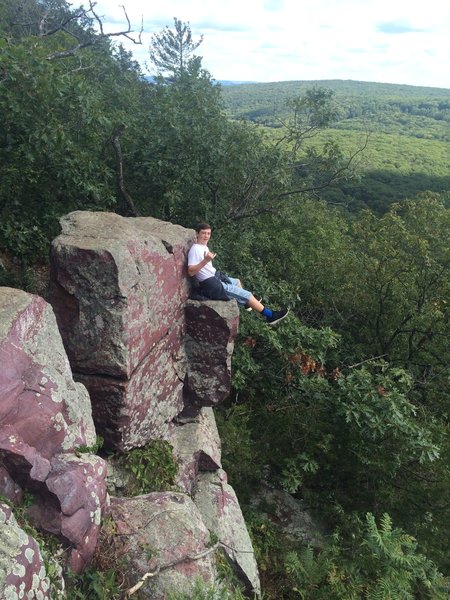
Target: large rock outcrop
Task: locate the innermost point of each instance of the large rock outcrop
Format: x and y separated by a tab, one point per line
44	417
154	364
118	287
119	290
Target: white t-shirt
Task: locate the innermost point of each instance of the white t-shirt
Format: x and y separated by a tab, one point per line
195	256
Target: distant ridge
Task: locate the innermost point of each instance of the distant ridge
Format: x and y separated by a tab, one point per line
332	83
230	82
224	82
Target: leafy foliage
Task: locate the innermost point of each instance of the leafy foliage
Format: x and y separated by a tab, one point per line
153	467
389	568
203	591
95	584
407	147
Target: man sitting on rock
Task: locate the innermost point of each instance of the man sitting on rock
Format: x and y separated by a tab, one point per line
215	286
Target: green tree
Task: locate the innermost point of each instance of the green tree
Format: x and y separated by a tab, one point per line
189	162
171	48
58	116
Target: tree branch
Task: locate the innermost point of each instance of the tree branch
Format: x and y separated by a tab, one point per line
333	177
119	171
190	558
90	13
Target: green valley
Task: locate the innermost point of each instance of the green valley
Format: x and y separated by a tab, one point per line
407	129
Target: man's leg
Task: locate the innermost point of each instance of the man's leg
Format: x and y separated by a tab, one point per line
255	304
234	281
237	292
246	298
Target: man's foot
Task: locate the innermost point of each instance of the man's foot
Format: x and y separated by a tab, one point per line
277	315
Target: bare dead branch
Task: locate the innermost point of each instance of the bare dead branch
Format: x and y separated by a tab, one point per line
251	193
365	361
62	26
91	13
333	177
119	171
189	558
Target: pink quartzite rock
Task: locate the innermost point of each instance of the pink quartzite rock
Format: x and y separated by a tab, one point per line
117	286
44	417
22	569
197	447
221	513
211	328
43	412
129	413
162	533
79	484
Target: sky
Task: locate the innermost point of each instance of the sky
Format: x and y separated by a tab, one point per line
387	41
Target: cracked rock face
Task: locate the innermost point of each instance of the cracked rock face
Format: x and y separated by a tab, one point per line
44	417
43	411
118	286
211	328
197	447
162	535
218	504
130	412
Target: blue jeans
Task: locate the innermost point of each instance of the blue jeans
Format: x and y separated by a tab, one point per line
235	292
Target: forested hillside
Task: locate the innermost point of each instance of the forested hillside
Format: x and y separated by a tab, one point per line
408	127
345	405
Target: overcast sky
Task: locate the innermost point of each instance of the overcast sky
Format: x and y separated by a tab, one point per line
391	41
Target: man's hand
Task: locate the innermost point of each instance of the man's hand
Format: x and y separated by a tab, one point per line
208	256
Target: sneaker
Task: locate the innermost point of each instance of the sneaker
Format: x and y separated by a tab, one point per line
277	315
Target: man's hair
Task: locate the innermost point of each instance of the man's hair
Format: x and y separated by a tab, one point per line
201	226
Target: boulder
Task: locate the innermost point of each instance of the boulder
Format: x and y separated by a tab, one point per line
197	447
290	516
45	416
166	544
22	568
117	286
43	412
218	504
211	328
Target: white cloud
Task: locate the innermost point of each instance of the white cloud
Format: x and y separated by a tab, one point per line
401	41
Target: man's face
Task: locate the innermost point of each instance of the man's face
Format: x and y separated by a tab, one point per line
203	236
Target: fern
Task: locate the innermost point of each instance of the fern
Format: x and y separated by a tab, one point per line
399	568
